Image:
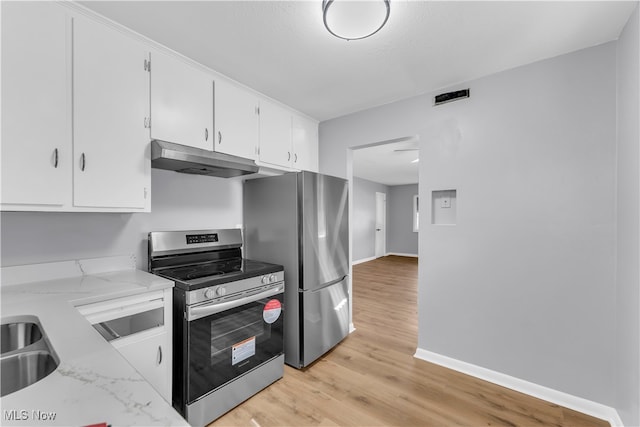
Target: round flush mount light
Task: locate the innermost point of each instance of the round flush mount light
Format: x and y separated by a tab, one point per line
355	19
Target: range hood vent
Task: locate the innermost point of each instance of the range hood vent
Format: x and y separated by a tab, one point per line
196	161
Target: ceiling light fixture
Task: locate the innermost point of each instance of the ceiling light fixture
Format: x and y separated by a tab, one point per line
355	19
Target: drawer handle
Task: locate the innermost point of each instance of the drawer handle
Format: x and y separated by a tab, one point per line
83	161
159	355
219	137
55	158
206	134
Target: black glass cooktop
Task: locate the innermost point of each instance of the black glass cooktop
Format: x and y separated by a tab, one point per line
194	276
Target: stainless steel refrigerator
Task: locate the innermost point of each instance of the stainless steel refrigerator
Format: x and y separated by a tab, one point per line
300	220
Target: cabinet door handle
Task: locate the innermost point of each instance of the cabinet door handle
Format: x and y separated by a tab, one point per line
159	354
206	134
55	158
288	155
295	158
219	137
83	161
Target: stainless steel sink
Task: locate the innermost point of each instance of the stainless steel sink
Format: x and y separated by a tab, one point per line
25	368
27	355
17	335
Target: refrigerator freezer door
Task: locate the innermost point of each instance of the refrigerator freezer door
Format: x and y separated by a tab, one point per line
325	229
325	319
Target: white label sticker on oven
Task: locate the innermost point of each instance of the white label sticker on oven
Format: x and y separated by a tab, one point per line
271	311
243	350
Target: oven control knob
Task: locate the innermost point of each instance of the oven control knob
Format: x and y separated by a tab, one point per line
265	280
221	291
209	293
272	278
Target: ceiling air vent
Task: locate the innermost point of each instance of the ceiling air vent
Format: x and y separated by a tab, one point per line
451	96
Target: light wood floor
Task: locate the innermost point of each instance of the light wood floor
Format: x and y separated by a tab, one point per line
372	378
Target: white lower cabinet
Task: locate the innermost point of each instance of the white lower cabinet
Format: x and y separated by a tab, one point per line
151	357
140	328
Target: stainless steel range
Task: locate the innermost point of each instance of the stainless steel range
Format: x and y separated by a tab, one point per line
228	320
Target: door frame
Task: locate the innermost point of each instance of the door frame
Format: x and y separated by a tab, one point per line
380	239
349	175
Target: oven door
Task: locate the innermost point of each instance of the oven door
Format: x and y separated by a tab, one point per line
227	339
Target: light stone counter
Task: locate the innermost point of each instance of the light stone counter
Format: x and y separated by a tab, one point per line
93	383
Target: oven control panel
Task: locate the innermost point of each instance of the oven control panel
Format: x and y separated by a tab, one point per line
218	291
202	238
268	279
231	288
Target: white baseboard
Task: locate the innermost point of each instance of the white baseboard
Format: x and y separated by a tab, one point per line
360	261
554	396
401	254
352	328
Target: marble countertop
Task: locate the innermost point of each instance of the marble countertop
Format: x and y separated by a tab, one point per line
93	383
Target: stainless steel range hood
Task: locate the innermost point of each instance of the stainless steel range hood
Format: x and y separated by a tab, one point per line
180	158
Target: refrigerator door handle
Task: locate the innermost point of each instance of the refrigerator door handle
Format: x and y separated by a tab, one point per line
326	285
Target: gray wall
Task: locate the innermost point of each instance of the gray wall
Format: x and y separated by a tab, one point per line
524	283
627	349
364	217
400	236
179	201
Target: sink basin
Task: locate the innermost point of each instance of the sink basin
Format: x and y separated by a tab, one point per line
25	368
27	355
17	335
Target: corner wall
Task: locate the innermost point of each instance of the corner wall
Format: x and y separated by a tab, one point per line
627	349
524	283
401	239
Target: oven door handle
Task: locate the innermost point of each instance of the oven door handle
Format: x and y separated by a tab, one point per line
198	312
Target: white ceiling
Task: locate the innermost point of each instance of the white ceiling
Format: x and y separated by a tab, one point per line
389	164
280	48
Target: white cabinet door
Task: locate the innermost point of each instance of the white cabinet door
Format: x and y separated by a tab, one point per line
36	111
304	134
111	101
275	135
151	357
181	103
236	120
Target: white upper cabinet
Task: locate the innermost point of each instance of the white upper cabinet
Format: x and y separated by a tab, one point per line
181	102
275	135
304	135
36	133
110	105
236	120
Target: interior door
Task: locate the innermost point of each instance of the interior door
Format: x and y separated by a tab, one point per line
381	224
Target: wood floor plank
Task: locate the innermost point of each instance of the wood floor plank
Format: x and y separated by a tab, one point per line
372	379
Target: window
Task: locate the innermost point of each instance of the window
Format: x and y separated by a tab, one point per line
416	216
